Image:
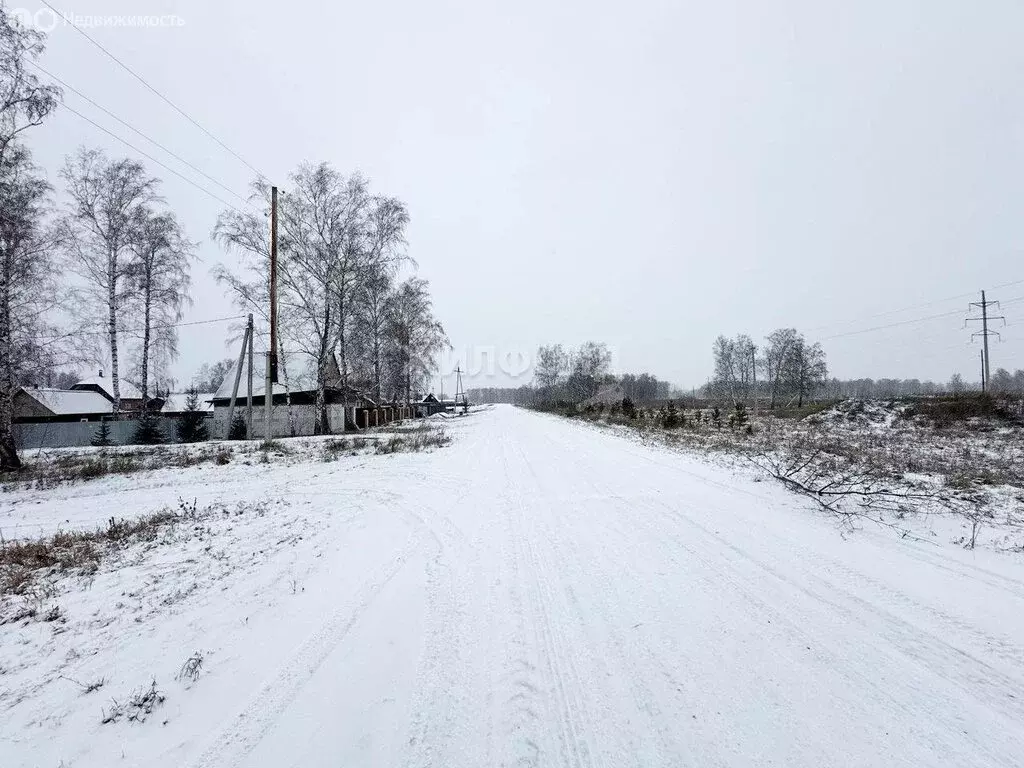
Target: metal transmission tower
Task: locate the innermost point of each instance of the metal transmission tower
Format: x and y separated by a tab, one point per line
460	392
984	305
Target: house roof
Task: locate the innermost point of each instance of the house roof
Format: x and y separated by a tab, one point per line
128	391
69	402
300	382
176	402
259	387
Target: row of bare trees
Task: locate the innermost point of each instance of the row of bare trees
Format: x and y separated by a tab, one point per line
340	250
133	260
108	275
571	375
786	367
114	253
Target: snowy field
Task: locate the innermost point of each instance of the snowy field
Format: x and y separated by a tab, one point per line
888	464
537	593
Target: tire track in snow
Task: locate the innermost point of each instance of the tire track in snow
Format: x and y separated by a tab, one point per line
437	683
453	692
648	453
615	639
797	622
813	564
248	727
936	656
523	725
561	662
933	653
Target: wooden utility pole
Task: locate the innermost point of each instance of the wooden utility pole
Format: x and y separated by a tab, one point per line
983	305
268	392
238	379
248	392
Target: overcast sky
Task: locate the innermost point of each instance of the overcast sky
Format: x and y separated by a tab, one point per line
648	174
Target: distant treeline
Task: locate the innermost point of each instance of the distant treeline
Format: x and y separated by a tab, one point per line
572	376
1003	382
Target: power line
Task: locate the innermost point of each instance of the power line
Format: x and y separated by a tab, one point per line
893	325
919	319
137	131
892	311
913	306
203	322
154	327
139	77
150	157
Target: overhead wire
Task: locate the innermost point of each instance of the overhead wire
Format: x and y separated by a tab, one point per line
913	306
160	95
154	327
148	156
132	128
892	325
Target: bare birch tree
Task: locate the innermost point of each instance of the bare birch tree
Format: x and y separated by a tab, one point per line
24	101
777	353
374	234
28	291
416	337
725	366
806	370
794	367
316	219
374	297
98	232
158	282
372	314
550	369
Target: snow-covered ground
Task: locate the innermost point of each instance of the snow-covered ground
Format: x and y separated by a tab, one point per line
878	462
537	593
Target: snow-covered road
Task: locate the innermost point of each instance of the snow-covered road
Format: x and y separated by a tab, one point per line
544	593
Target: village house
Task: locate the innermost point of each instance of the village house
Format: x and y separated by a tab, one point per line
293	407
38	404
176	404
131	397
91	399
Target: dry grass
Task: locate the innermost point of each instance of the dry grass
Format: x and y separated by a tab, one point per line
882	460
139	705
970	411
332	449
422	438
23	561
71	468
192	668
